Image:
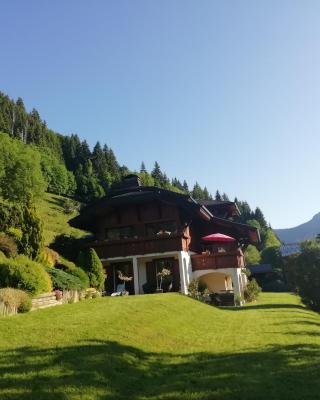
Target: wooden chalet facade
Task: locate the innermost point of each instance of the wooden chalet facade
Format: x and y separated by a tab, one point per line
140	230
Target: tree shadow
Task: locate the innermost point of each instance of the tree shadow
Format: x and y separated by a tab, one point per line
266	307
104	370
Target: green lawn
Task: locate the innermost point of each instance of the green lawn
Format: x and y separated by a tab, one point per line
162	347
55	221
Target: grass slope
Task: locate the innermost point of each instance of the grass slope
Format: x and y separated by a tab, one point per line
162	347
50	210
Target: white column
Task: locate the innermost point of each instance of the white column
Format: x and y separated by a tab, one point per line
182	275
135	275
236	282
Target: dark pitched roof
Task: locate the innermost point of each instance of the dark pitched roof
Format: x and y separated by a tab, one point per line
130	194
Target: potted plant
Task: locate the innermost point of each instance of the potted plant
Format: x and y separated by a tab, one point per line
162	275
124	278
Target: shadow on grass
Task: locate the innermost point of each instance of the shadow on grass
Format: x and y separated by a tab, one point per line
104	370
266	307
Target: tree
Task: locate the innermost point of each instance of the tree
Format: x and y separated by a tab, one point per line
252	255
89	261
185	186
225	197
32	232
143	168
146	179
156	174
197	192
258	215
270	239
88	186
21	177
218	196
306	275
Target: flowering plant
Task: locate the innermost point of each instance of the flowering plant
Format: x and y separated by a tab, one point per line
58	294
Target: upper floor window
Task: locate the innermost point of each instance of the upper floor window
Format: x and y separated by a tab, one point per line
123	232
161	228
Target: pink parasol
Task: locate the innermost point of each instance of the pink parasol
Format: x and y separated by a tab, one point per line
218	237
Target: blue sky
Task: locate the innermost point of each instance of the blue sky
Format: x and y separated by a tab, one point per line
226	93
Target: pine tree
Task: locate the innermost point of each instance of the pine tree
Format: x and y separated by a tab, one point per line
156	174
197	192
258	215
185	186
31	242
89	261
225	197
218	196
206	195
143	168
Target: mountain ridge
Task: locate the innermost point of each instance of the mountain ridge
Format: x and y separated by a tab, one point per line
299	233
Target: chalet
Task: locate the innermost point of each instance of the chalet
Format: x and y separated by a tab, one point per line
140	230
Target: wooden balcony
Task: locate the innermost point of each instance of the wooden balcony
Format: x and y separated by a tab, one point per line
141	246
230	259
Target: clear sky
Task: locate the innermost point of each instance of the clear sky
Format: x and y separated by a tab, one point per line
223	92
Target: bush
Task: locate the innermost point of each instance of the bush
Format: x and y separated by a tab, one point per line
8	246
80	273
90	262
305	275
15	300
63	281
199	291
70	268
48	257
25	305
252	291
25	274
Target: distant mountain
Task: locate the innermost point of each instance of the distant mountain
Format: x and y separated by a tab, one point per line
308	230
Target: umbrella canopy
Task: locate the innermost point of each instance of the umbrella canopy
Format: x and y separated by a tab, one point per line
218	237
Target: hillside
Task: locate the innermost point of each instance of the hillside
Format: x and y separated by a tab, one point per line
308	230
55	221
149	347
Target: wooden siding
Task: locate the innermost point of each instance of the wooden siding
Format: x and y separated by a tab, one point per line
133	247
232	259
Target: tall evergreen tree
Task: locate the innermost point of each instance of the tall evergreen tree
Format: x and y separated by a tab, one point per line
185	186
218	196
143	168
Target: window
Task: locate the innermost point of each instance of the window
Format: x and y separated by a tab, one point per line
123	232
161	228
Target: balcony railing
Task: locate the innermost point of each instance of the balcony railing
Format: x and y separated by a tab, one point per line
141	246
230	259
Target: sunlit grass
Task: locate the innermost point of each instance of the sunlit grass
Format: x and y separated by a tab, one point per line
55	221
162	347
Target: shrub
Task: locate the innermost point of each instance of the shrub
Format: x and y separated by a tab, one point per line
90	262
48	257
63	281
70	206
80	273
70	268
25	274
252	291
8	246
305	275
25	305
15	300
199	291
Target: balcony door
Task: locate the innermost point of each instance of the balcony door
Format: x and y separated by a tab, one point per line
112	276
171	283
